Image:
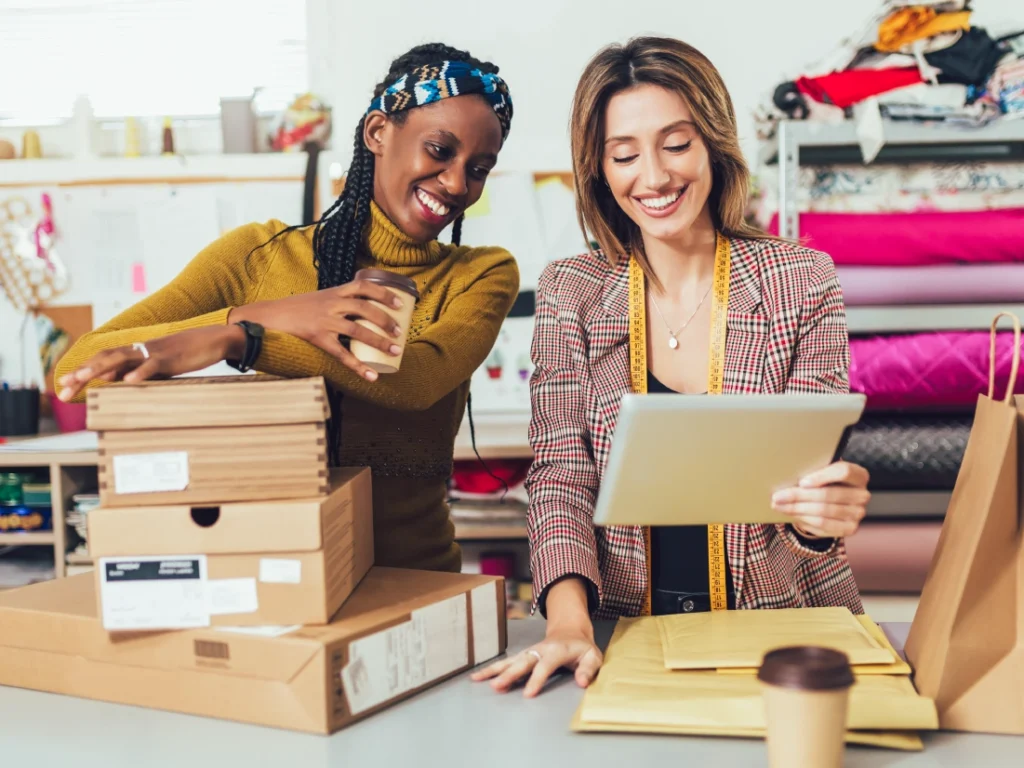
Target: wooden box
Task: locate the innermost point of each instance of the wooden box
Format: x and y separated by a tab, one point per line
197	440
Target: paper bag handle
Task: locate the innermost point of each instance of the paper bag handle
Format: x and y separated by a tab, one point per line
1012	383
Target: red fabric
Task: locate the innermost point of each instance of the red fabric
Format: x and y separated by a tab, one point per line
915	239
471	477
786	333
844	89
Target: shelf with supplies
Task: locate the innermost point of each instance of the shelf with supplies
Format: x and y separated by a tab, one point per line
921	318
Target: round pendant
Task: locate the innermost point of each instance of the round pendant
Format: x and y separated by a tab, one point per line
673	342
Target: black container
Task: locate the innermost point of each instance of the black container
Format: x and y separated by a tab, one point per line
19	412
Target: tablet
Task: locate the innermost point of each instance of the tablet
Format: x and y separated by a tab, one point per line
698	460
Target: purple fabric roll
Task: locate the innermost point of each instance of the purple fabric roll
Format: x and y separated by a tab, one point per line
941	284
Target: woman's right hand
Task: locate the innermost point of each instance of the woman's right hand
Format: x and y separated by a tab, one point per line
322	316
568	642
571	647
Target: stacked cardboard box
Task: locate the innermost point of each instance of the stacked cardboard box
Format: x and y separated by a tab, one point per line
224	549
217	508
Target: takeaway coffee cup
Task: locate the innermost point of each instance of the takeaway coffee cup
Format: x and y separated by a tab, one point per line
405	289
806	694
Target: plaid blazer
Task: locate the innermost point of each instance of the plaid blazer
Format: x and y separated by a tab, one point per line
786	332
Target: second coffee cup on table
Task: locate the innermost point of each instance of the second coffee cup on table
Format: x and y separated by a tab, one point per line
806	695
406	290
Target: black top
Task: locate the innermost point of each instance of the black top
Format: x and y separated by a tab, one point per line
679	553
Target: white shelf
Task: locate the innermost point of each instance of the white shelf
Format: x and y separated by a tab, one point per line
910	319
183	168
806	133
897	504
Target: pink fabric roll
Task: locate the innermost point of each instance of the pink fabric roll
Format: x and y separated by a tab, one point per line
923	370
939	284
892	557
915	239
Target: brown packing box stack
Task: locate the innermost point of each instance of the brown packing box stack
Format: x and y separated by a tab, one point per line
197	440
400	632
270	562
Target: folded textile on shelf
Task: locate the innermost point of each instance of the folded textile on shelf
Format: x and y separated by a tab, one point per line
892	557
844	89
938	284
890	181
928	370
908	239
904	452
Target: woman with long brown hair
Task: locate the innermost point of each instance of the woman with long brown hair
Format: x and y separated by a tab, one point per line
661	184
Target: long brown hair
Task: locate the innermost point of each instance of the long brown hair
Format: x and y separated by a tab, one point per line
678	67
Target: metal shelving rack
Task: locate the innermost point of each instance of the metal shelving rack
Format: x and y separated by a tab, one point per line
999	140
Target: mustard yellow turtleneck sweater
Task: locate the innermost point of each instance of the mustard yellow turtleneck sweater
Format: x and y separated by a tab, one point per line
402	426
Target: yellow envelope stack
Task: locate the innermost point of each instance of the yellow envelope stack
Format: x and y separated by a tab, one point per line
696	675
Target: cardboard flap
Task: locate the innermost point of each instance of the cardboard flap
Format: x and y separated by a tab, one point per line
60	616
216	401
232	528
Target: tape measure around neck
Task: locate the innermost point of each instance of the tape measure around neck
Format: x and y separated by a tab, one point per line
716	373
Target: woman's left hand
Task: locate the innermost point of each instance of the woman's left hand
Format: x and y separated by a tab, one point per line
829	503
173	355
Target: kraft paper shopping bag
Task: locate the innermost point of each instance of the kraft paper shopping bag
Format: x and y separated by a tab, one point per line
966	643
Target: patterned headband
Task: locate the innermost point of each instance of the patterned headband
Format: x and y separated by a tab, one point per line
434	82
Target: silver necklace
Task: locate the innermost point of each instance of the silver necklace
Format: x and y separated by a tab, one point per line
673	340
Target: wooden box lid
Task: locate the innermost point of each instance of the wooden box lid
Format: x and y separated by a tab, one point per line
215	401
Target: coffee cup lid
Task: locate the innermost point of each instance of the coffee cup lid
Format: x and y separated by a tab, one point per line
389	279
806	667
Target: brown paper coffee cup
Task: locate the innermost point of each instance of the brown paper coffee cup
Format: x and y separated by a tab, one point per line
405	289
806	693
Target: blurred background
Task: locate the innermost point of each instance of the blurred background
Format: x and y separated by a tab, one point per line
889	134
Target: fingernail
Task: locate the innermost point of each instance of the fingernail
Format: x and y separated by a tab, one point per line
371	375
806	482
396	303
395	349
65	394
65	379
83	375
396	331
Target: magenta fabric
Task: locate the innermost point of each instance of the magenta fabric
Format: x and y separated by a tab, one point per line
928	370
939	284
915	239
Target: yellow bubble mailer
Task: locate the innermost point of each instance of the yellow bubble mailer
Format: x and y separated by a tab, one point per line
635	692
897	667
721	639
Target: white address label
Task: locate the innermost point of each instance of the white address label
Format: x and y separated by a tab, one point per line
151	472
140	593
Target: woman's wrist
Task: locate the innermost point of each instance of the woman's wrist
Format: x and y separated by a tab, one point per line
234	341
567	606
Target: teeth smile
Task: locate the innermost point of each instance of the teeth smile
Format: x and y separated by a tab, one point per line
432	203
658	203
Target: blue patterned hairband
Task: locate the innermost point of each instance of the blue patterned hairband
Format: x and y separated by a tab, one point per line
434	82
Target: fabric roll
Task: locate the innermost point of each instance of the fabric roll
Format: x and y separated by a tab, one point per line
915	239
910	452
940	284
892	557
928	370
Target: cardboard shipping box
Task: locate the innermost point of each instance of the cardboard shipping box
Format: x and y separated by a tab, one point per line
198	440
400	632
236	564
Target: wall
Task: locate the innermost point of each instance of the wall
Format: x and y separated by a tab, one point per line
543	45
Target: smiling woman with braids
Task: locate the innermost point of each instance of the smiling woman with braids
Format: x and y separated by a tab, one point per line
422	154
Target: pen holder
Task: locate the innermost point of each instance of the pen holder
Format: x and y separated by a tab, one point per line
19	412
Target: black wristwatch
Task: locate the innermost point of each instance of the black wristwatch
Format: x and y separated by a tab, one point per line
253	346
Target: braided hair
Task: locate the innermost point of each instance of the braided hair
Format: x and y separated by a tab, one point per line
339	232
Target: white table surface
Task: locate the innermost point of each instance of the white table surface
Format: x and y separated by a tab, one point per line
458	723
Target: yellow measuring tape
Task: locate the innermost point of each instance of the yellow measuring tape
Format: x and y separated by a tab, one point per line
716	371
